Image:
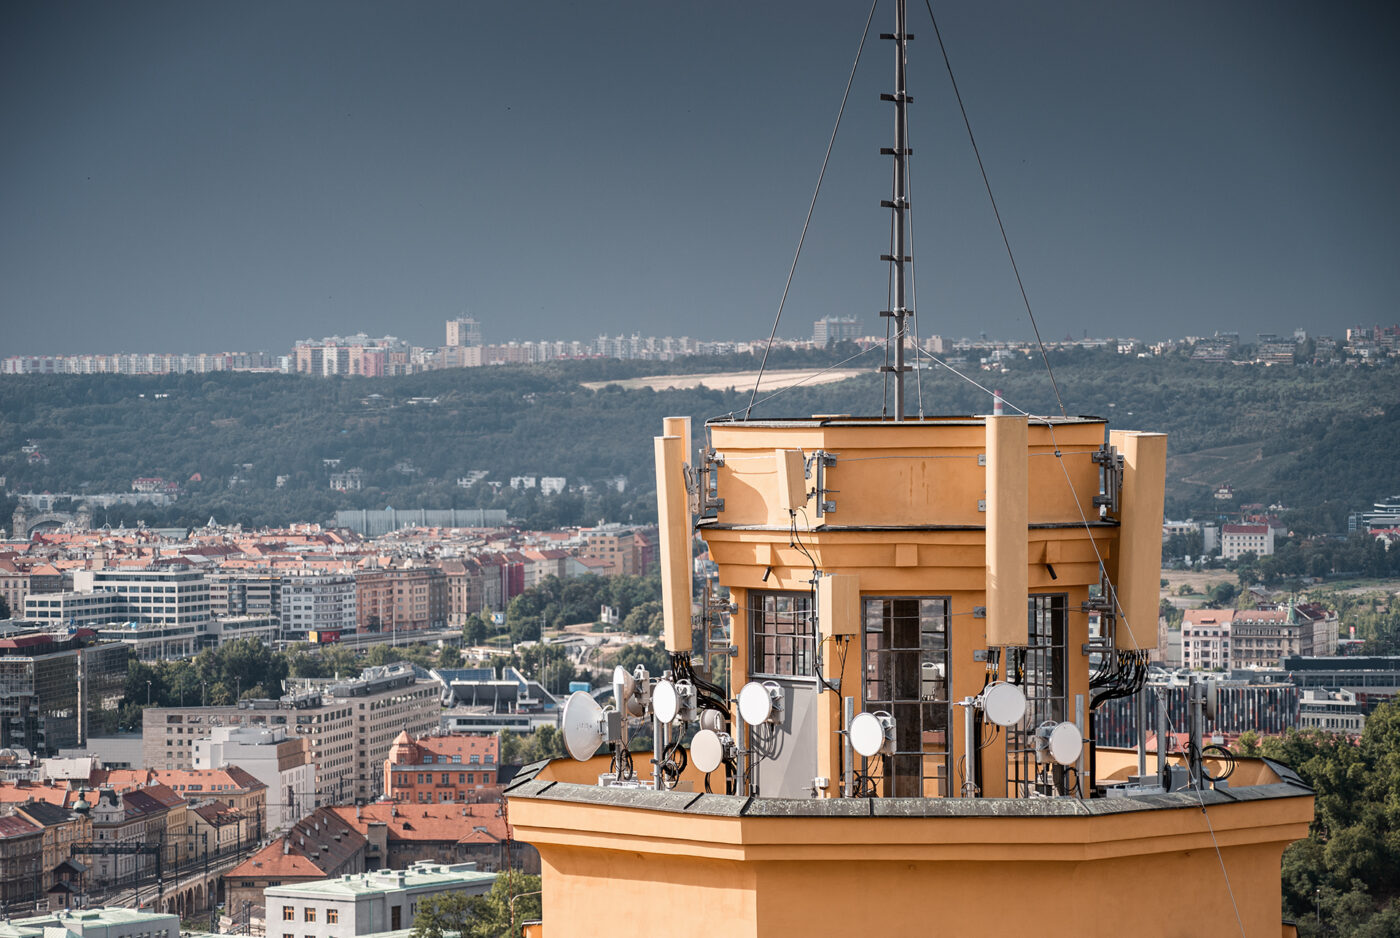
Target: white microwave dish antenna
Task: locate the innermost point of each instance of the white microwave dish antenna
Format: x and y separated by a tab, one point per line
1003	703
665	702
760	703
872	733
1062	742
584	725
626	692
707	750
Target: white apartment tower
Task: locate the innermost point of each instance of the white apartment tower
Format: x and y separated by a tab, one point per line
463	332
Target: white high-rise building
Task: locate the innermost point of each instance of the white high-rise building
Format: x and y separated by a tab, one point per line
462	332
317	602
280	761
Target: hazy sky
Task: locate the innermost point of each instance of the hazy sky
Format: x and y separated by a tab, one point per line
180	176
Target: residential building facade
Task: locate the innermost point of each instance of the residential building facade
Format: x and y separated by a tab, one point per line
1237	539
458	768
280	761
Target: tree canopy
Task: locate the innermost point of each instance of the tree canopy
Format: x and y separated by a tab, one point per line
1344	878
259	444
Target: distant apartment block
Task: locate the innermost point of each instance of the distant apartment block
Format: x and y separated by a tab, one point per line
350	724
1237	539
831	329
72	609
460	332
155	484
1333	711
245	593
18	581
619	549
138	364
280	761
1205	638
367	903
394	599
1256	638
317	602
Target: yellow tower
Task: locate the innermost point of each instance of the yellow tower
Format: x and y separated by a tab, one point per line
903	569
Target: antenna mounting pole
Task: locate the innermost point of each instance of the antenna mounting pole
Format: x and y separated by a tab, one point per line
899	204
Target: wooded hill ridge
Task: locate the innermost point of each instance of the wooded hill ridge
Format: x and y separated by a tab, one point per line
1320	440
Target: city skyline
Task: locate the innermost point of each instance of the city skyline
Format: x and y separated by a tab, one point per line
184	177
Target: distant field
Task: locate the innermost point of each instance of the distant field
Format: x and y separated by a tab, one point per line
740	380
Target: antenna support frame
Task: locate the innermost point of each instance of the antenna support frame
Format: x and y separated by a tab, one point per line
821	461
707	485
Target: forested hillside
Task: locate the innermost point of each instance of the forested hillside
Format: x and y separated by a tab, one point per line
1318	440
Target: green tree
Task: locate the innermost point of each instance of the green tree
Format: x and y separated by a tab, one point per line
447	915
524	748
653	657
642	617
475	631
449	657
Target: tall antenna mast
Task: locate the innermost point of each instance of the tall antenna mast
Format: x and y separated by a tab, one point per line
899	205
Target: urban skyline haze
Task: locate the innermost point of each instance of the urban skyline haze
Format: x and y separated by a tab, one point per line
213	177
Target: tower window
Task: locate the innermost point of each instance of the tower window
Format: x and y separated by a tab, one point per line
905	672
782	635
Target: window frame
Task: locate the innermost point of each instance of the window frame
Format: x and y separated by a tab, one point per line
766	657
898	780
1047	693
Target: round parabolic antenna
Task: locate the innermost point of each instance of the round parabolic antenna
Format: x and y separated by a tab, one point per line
583	725
1066	744
1004	704
867	734
665	702
755	706
625	692
706	751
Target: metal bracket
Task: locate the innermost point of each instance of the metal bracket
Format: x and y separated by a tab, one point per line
981	504
979	612
820	462
981	459
979	654
1110	463
709	503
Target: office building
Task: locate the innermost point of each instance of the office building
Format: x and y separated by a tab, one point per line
832	329
463	332
317	602
52	683
350	725
364	903
280	761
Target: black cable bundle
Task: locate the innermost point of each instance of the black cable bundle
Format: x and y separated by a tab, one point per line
1126	677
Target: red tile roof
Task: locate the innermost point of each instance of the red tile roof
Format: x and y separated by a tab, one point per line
454	822
291	855
17	827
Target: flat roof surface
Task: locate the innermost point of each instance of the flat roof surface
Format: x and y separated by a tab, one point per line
363	884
